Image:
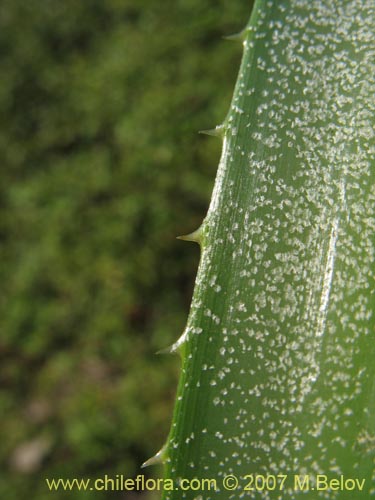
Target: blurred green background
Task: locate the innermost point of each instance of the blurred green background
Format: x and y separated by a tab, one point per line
101	167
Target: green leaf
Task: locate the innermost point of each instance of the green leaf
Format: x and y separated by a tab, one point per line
278	352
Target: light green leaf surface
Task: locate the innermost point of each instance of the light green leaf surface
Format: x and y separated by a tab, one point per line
278	353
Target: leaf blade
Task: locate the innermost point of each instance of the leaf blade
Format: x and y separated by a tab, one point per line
277	373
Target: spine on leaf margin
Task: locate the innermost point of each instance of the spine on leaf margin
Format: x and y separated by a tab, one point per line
278	372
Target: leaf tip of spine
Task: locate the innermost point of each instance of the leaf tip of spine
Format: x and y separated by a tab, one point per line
237	37
172	349
158	458
214	132
177	347
195	236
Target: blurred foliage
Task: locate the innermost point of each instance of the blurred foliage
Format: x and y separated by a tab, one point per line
101	167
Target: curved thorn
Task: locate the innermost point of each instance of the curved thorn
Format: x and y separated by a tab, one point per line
158	458
176	348
172	349
236	37
195	236
215	132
